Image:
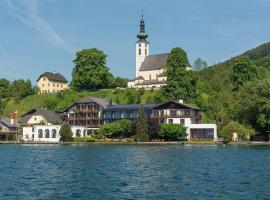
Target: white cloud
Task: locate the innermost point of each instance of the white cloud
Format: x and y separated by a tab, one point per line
27	12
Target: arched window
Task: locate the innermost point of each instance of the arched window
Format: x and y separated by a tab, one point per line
54	133
40	133
140	52
88	132
47	133
78	133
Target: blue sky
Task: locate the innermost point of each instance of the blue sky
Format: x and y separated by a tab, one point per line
43	35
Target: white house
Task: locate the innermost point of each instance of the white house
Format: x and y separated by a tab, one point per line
42	133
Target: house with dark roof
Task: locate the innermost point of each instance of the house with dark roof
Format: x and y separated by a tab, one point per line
150	73
85	116
8	125
51	82
39	116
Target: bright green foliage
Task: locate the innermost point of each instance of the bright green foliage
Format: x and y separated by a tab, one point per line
65	133
244	132
4	88
181	83
90	72
172	132
117	129
21	88
243	70
253	105
199	64
141	127
120	82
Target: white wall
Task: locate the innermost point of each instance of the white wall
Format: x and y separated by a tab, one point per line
140	57
36	119
81	131
31	134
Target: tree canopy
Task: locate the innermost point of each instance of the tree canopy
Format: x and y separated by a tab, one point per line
181	82
172	132
199	64
65	133
90	72
243	70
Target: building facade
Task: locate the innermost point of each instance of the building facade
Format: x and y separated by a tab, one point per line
39	116
118	112
170	112
150	72
41	133
51	82
86	113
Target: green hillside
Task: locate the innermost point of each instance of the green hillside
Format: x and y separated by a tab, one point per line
60	101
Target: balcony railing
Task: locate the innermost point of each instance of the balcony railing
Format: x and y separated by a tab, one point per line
174	116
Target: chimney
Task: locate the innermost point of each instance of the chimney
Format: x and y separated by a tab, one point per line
180	101
110	102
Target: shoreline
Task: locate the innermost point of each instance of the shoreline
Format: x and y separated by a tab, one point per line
203	143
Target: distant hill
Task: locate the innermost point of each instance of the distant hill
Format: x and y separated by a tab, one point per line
218	74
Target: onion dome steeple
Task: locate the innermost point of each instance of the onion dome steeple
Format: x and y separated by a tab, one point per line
142	35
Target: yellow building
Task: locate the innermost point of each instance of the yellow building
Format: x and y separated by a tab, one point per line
51	82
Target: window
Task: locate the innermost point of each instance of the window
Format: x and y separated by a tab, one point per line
61	85
145	51
57	85
54	133
140	45
170	121
47	133
182	121
78	133
53	85
44	78
150	77
42	85
140	51
40	133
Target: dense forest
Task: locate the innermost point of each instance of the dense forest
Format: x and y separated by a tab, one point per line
234	94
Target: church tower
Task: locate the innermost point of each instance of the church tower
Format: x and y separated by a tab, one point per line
142	46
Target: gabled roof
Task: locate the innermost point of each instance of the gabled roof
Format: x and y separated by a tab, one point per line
49	115
177	104
154	62
7	122
138	78
102	102
150	82
53	76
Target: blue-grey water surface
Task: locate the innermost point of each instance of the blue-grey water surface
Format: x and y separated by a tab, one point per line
134	172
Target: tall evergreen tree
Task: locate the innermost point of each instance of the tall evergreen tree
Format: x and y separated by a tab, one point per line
181	82
141	127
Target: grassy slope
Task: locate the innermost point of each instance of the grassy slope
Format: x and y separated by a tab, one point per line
61	101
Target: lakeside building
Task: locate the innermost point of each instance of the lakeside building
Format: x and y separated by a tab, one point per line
170	112
86	115
51	82
115	113
39	116
42	133
8	127
150	73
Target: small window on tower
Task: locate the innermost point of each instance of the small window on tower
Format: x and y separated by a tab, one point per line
145	45
140	51
145	51
140	45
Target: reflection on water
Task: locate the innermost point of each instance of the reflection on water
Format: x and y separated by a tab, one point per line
134	172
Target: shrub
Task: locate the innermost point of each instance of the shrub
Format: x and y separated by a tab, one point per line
142	138
244	132
172	132
66	133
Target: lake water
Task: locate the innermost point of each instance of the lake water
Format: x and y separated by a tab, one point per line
134	172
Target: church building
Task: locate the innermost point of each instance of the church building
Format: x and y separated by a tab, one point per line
149	68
